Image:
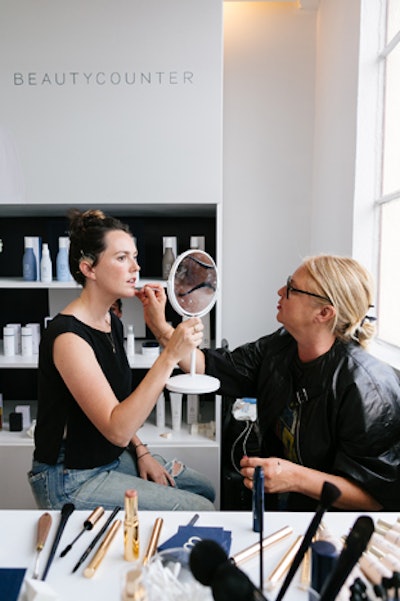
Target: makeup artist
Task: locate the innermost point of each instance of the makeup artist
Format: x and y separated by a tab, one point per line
86	448
327	409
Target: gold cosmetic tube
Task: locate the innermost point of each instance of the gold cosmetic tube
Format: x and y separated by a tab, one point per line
268	541
284	564
153	542
131	526
102	550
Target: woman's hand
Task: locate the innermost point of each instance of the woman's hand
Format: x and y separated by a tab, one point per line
153	299
281	475
278	473
186	337
150	469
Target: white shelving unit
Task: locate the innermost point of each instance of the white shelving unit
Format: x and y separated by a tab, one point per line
195	450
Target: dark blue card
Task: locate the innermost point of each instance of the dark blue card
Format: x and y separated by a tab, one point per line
11	580
188	536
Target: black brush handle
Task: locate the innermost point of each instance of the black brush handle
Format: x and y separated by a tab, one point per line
66	511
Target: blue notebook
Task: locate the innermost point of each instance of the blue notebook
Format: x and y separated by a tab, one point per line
188	536
11	580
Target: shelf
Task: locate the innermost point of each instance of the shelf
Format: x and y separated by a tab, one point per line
18	282
148	432
139	361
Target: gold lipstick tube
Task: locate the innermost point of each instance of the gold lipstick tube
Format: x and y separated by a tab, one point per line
283	566
131	526
153	542
102	550
268	541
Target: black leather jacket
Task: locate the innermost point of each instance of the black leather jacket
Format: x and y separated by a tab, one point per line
349	410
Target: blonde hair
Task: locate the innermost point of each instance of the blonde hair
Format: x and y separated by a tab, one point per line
350	287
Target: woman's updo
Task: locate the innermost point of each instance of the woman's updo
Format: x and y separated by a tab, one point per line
350	287
87	232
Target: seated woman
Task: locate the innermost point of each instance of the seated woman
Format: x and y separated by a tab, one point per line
87	451
327	409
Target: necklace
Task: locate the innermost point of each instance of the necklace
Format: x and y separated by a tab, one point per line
111	341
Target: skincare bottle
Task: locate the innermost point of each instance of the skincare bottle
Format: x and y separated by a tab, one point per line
26	342
168	258
46	271
130	342
160	411
197	242
35	327
29	273
17	336
8	341
192	409
176	410
62	266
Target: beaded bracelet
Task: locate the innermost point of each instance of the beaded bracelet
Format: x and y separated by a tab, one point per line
140	444
143	454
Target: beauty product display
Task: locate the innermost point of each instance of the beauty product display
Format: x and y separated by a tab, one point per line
130	342
197	242
29	265
151	348
62	265
176	410
192	409
168	258
160	411
26	342
46	267
17	336
25	411
35	327
8	341
21	340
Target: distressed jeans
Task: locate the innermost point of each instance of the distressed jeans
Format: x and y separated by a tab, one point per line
55	485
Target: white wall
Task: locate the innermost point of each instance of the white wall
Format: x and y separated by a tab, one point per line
290	132
338	36
269	71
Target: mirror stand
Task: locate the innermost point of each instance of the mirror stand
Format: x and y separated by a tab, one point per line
192	290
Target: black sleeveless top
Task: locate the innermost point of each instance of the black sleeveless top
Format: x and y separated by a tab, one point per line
59	413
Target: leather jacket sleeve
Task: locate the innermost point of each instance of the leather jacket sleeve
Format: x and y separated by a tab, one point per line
350	422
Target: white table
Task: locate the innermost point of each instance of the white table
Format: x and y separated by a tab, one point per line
18	535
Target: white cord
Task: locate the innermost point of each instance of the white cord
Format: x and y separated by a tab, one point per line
245	435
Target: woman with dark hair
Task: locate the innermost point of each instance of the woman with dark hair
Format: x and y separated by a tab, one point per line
327	409
87	450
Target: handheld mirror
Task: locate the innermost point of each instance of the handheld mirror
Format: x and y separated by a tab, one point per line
192	291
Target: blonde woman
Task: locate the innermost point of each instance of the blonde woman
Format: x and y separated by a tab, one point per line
327	409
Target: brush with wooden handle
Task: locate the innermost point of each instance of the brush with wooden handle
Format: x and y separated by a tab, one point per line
43	528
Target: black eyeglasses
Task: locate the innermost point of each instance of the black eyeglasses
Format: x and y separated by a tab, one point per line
290	288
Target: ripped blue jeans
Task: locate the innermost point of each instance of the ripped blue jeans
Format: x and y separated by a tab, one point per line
54	485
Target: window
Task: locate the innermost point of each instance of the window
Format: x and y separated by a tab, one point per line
388	202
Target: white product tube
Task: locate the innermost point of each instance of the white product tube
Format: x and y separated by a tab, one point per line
8	341
192	409
26	342
160	411
176	410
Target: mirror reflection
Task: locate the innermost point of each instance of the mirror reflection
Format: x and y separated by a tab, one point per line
192	291
193	283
